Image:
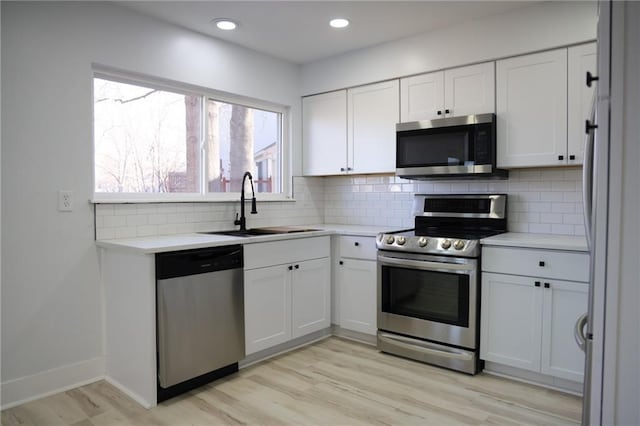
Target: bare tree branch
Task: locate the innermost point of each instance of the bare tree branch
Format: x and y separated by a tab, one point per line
126	101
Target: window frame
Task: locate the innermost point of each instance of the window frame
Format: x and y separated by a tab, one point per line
284	151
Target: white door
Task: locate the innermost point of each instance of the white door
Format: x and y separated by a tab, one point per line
581	59
374	111
421	97
564	302
531	109
311	296
267	307
470	90
511	320
324	134
358	299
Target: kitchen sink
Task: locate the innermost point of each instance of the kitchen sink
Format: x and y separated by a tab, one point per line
261	231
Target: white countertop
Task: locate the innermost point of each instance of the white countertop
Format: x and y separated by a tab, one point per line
164	243
543	241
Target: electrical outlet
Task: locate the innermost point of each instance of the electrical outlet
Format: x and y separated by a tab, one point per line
65	201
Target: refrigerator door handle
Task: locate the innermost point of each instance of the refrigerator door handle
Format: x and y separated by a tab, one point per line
587	177
578	332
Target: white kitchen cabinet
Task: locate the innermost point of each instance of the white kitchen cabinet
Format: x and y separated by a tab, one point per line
531	110
581	59
287	291
267	307
453	92
357	284
324	128
527	320
311	296
351	131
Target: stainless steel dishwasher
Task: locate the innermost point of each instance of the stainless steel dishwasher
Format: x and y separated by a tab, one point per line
200	317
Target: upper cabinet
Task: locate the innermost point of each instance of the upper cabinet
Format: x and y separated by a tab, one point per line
582	59
324	130
373	113
541	103
454	92
351	131
531	109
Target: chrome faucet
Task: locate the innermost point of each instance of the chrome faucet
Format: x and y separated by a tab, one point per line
242	221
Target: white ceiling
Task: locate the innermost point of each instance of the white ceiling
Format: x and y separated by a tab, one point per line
298	31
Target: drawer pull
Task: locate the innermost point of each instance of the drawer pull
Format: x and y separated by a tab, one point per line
547	285
537	283
356	244
341	262
541	263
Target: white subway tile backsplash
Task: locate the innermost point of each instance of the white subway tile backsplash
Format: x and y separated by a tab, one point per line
540	201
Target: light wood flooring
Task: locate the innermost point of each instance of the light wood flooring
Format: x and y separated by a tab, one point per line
332	382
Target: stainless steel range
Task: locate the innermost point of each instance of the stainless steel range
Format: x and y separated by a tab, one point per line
429	279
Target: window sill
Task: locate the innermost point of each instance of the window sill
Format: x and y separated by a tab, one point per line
184	198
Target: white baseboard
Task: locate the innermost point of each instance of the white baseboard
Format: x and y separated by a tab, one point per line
137	398
25	389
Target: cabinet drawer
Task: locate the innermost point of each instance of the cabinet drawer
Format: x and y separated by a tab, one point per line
564	265
260	255
358	247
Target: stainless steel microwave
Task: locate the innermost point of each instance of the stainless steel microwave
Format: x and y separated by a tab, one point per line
448	148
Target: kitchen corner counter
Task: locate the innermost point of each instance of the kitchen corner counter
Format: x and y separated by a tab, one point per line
543	241
165	243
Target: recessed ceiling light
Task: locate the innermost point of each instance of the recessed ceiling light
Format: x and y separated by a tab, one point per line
225	24
339	23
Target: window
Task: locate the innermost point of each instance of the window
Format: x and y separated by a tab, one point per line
159	142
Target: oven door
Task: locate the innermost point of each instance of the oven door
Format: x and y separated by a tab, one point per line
429	297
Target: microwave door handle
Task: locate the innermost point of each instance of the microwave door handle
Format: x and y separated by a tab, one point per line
424	264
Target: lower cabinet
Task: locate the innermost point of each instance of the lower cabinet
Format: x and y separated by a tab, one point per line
357	284
527	322
358	300
289	299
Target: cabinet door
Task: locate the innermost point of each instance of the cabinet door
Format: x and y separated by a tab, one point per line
374	111
421	97
564	302
358	298
267	307
531	109
581	59
311	296
511	321
470	90
324	134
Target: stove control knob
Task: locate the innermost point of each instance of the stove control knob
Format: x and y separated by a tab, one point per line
422	241
390	239
458	244
401	240
445	244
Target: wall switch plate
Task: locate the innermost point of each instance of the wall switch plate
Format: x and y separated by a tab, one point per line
65	201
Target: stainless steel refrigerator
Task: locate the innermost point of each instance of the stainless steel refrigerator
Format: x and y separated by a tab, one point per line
608	332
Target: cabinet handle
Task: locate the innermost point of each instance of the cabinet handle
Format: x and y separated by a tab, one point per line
541	263
297	266
537	283
591	78
342	169
439	112
290	268
349	169
356	244
588	126
446	111
572	157
341	262
547	285
560	157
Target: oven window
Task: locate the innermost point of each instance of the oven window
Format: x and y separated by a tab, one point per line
434	296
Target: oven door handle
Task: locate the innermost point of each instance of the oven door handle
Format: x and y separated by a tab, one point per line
425	264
